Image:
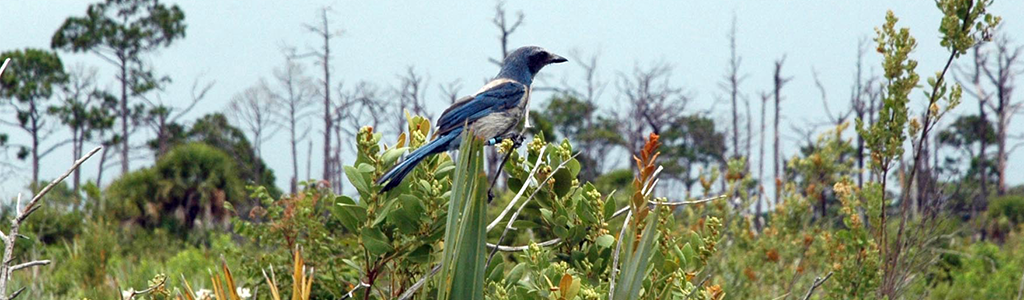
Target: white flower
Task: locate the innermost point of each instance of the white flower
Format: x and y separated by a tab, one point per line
204	294
243	292
127	294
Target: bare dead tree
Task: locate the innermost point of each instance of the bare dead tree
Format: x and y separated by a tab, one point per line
294	98
450	90
651	100
779	82
765	96
858	106
253	109
505	27
360	106
593	88
839	117
411	96
10	237
731	84
1002	78
323	59
81	111
162	115
977	91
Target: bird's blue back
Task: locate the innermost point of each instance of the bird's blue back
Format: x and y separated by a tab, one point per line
491	112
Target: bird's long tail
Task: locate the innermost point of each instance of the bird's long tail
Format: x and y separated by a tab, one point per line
394	176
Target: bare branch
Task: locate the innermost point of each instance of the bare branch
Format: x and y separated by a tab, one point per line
50	186
519	194
670	204
4	66
615	254
20	215
546	243
30	264
419	283
817	282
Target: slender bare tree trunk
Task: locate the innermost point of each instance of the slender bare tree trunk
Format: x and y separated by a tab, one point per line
324	56
125	114
34	126
732	84
760	161
779	82
858	108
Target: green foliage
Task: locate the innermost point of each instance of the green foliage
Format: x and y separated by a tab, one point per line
463	260
193	184
31	76
124	30
885	137
215	130
980	270
1005	214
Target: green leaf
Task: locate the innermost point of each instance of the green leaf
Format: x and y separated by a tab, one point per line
350	215
514	184
586	212
384	212
407	218
464	257
392	155
420	255
563	182
574	167
357	180
515	275
634	267
375	241
496	272
609	208
605	241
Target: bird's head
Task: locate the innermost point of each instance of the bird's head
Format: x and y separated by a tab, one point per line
527	61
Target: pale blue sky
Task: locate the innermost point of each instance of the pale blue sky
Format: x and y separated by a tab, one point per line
237	42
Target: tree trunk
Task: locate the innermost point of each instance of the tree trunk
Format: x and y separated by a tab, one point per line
760	164
776	160
76	151
124	114
103	160
295	155
34	119
328	120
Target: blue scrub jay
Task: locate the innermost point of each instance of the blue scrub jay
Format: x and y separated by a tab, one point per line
491	113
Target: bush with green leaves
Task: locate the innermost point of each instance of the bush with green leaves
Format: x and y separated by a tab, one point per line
193	184
549	236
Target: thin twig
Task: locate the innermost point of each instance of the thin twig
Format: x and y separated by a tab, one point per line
30	264
699	284
4	67
419	283
147	290
817	282
516	142
522	190
615	255
353	291
17	293
53	183
546	243
512	219
671	204
21	214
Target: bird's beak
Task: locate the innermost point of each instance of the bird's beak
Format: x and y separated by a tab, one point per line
556	59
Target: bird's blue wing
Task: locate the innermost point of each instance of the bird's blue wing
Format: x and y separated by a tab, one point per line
498	97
